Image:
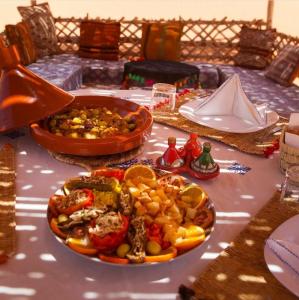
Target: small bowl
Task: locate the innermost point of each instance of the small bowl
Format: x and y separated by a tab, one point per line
101	146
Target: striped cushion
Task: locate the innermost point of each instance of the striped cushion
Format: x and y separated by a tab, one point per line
99	39
285	67
161	41
256	47
20	36
42	28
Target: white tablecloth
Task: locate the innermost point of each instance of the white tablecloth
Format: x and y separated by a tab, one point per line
44	269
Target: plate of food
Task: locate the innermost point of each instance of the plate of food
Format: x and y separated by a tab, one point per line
94	125
138	216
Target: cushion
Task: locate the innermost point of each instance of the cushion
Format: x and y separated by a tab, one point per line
161	41
42	28
285	67
256	47
20	36
99	39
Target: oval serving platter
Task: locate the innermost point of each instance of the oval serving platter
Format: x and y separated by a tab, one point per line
207	208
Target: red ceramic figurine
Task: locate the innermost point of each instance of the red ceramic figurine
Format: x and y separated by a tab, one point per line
189	159
171	157
191	149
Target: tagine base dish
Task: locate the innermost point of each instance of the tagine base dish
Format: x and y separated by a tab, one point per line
91	162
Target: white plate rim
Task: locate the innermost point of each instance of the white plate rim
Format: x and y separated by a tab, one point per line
270	120
271	259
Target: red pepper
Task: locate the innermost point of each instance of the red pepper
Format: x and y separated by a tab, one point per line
109	172
53	203
154	232
111	240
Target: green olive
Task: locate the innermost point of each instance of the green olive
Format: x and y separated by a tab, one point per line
123	250
153	248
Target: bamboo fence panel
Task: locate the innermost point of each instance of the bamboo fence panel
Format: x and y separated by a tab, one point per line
204	40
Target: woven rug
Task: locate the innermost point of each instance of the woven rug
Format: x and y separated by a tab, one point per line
92	162
7	202
240	272
253	143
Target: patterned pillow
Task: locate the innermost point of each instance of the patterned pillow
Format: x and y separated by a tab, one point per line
161	41
256	47
99	39
20	36
285	67
42	28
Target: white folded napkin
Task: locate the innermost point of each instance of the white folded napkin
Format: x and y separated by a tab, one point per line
287	252
230	99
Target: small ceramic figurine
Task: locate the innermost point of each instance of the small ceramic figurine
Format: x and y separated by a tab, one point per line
205	163
191	149
171	157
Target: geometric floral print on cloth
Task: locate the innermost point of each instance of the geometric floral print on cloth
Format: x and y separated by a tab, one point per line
285	67
20	36
99	40
256	47
42	28
161	41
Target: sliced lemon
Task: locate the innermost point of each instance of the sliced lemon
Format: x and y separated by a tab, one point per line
194	195
140	171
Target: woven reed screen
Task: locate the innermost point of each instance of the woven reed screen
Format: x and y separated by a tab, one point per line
204	40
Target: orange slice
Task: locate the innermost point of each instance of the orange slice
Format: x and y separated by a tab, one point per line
194	195
114	259
164	256
78	246
56	230
188	243
139	171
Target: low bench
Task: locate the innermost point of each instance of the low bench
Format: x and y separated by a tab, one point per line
69	72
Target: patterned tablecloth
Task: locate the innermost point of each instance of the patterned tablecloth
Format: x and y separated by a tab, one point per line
43	269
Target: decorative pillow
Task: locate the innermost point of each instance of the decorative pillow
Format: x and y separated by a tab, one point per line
42	28
256	47
99	39
20	36
161	41
285	67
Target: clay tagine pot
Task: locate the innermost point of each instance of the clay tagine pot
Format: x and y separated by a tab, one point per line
24	96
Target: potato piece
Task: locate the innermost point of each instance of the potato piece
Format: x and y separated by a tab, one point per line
152	193
156	198
161	194
163	220
143	187
134	191
152	183
153	208
141	210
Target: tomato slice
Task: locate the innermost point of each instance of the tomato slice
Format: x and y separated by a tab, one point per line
109	172
57	199
111	240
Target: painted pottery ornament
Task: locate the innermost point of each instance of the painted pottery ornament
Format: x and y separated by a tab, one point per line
205	163
191	150
171	157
